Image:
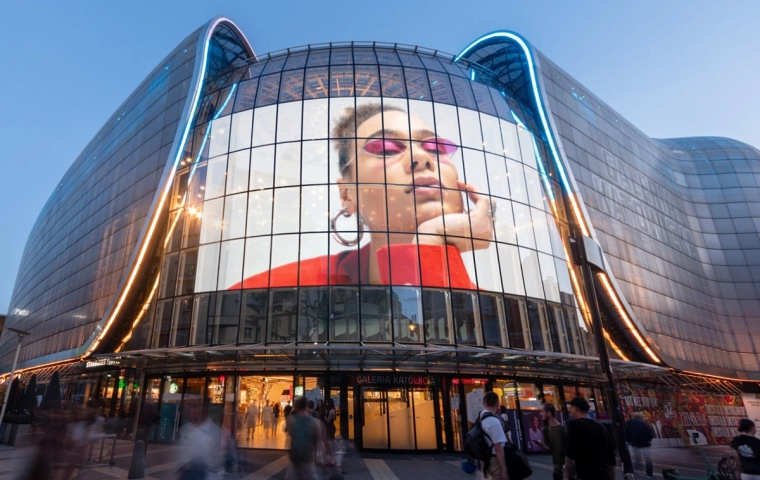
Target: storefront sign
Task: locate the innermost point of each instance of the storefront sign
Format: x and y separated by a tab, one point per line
103	362
393	380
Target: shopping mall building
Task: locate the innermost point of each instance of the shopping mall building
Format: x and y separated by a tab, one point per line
400	230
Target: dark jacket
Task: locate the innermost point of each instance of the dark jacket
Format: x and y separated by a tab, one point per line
639	433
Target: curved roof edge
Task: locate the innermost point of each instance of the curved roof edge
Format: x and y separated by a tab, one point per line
162	192
506	39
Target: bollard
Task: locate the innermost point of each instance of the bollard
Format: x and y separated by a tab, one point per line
137	465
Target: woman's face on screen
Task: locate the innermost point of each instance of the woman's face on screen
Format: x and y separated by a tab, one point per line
422	183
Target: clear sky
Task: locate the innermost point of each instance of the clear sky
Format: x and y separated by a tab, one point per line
675	68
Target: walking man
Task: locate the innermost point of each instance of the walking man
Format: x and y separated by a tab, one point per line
554	435
590	453
492	425
640	435
304	434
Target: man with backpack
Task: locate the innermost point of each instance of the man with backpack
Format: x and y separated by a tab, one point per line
489	431
304	433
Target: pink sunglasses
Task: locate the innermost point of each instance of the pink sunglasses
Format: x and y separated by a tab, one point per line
386	147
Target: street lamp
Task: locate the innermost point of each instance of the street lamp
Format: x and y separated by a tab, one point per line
21	334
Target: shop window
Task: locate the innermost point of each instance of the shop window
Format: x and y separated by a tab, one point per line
375	314
492	317
344	314
313	314
283	309
466	318
254	321
436	311
551	395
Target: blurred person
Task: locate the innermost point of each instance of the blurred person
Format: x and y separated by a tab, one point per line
304	434
328	417
276	412
554	439
430	185
201	453
288	408
494	428
310	407
507	424
639	435
748	448
590	452
267	414
251	419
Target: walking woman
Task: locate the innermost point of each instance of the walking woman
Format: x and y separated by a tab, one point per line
329	431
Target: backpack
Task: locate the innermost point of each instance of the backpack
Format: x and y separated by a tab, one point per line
477	443
301	438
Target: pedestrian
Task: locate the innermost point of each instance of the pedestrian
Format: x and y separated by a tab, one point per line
304	434
251	419
329	432
276	412
748	448
590	452
288	408
267	414
493	426
555	435
507	424
639	435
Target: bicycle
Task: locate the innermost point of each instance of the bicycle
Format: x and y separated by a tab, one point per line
726	468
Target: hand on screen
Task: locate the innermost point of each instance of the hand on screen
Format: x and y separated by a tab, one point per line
476	224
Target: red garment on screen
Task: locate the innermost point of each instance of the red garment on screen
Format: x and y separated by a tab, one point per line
345	268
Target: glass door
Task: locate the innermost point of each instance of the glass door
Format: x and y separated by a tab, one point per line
375	418
424	419
401	419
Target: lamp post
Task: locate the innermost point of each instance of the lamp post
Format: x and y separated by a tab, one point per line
21	334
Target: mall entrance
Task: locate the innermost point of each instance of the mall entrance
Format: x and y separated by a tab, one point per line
401	416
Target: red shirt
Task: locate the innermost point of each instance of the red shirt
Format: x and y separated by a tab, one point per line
407	267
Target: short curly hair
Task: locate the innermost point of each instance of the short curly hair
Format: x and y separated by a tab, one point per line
345	130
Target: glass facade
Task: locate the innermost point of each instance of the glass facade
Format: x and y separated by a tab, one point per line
400	205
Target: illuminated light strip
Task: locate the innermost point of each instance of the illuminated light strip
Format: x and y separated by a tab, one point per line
164	195
205	138
540	163
634	331
578	214
540	108
143	310
615	347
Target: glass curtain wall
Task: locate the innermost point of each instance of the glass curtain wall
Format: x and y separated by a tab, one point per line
366	195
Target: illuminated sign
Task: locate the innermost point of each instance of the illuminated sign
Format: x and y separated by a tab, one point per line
393	380
299	391
173	387
103	362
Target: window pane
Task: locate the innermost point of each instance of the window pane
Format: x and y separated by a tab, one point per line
287	207
492	316
240	132
491	134
487	267
314	311
246	95
289	122
517	323
475	170
517	185
231	264
392	79
407	315
469	125
497	176
537	323
504	223
201	317
440	87
216	174
288	164
208	265
316	83
314	162
511	273
535	190
188	263
254	322
234	216
262	167
417	84
291	87
219	137
466	318
226	319
260	213
169	276
315	119
283	309
264	121
436	311
509	138
541	230
549	277
256	266
527	148
211	226
163	324
237	172
531	272
375	314
367	81
344	314
269	87
523	226
183	311
463	92
284	255
314	214
314	260
557	330
563	278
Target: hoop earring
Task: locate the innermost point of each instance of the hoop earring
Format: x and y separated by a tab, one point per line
333	226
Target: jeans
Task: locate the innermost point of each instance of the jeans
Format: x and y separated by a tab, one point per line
646	453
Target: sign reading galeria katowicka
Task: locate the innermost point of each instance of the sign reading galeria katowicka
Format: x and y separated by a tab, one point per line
392	380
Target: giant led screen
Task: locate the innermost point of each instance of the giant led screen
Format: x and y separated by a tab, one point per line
363	215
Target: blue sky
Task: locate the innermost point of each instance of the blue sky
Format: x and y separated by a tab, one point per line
676	68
